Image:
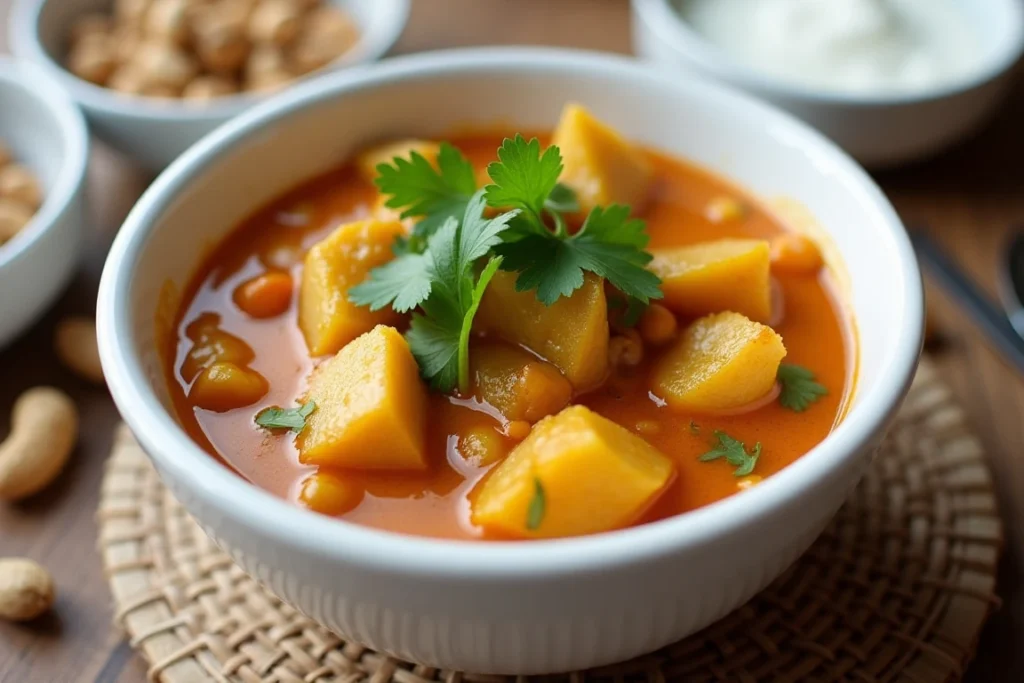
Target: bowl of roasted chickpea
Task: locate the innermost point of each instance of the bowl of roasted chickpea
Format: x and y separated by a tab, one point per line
153	76
43	152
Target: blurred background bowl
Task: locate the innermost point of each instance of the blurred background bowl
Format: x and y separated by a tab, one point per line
879	130
47	133
155	131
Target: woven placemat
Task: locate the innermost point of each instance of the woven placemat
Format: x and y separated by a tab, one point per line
896	589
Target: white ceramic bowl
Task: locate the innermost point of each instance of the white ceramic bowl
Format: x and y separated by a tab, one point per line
508	607
877	130
47	133
155	131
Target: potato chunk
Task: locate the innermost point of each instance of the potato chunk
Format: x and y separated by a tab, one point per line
571	334
327	318
711	277
721	362
369	159
371	407
594	474
598	163
518	385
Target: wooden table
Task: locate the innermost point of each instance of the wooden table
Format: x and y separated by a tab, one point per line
970	198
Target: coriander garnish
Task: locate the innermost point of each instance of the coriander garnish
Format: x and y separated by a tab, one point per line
535	513
799	389
294	419
735	453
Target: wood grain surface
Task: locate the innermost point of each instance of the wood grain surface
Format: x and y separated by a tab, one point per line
969	199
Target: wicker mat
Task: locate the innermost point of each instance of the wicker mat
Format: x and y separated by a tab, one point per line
896	589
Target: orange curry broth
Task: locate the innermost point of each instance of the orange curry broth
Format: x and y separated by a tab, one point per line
436	503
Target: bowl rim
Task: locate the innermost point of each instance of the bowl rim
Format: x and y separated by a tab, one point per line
342	542
672	30
23	36
37	85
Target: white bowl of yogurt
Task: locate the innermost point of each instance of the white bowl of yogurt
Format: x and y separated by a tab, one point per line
889	80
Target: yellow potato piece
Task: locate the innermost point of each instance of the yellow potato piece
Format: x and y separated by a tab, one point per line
721	362
595	476
711	277
571	334
343	259
517	384
598	163
371	407
369	159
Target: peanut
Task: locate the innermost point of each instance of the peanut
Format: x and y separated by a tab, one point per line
219	39
164	65
75	344
266	69
326	34
44	428
13	217
89	25
275	21
6	156
26	589
18	183
130	11
93	58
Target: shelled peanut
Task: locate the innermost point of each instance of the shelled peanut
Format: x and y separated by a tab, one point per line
20	195
202	49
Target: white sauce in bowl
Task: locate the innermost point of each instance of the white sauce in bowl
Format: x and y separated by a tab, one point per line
852	46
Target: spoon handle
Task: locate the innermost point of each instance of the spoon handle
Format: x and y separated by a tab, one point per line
986	315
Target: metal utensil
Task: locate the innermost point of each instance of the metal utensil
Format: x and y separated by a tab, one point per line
996	327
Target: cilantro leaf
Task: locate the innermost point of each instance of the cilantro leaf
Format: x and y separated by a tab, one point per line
433	338
735	453
535	512
523	177
562	199
294	419
421	190
799	389
403	283
609	244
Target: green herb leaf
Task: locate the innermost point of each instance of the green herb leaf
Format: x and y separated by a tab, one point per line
799	389
523	177
535	512
735	453
421	190
294	419
609	244
403	284
562	199
439	337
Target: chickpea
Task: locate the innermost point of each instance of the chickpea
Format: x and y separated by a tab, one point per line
326	34
657	325
127	79
275	21
330	494
167	20
130	12
517	430
203	88
161	64
225	386
93	58
126	41
265	296
625	349
18	183
13	217
483	446
795	254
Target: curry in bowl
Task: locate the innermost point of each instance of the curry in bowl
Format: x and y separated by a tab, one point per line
509	337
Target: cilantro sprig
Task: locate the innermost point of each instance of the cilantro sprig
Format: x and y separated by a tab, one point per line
537	507
799	388
735	453
294	419
442	269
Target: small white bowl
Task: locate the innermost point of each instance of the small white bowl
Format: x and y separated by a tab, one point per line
47	133
538	606
881	130
151	130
